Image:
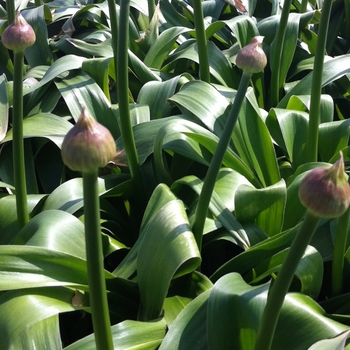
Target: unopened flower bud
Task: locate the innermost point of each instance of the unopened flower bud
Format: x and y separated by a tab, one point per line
325	191
19	35
88	145
251	58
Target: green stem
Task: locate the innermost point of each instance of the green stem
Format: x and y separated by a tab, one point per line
94	260
11	11
114	30
276	59
203	55
123	92
340	246
284	278
215	164
18	147
316	85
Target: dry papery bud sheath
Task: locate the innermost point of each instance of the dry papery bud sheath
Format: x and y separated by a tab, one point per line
325	191
19	35
88	145
251	58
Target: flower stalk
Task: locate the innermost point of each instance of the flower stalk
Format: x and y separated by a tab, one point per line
330	200
17	37
316	84
120	35
203	56
85	148
251	59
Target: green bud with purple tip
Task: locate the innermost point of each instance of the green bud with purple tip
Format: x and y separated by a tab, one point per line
325	191
19	35
88	145
251	58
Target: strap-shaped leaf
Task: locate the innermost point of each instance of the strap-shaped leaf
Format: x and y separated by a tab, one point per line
168	249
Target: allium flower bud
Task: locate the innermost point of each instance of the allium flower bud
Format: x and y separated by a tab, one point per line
19	35
325	191
251	58
88	145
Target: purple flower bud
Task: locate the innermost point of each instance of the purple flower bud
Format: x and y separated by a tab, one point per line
325	191
88	145
251	58
19	35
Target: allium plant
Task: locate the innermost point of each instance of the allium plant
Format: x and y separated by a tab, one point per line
86	147
325	192
17	37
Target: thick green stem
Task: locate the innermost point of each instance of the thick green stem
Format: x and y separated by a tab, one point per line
284	278
215	164
95	268
11	11
316	85
203	56
123	91
17	134
114	30
340	247
276	59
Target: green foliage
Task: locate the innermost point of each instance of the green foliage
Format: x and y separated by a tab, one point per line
163	291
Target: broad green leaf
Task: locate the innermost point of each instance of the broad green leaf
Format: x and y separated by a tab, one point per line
56	230
160	197
333	69
79	90
288	48
336	343
220	67
41	335
284	125
29	266
333	137
155	94
229	179
309	270
37	327
235	308
69	196
161	48
260	205
244	29
8	216
253	142
45	125
128	335
168	249
302	104
218	209
205	102
244	262
98	69
189	330
141	71
182	292
39	53
61	65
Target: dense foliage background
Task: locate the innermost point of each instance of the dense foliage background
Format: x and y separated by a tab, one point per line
164	290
